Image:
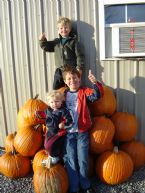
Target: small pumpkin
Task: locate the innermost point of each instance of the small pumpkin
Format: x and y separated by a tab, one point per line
14	165
50	179
126	126
9	142
39	157
114	167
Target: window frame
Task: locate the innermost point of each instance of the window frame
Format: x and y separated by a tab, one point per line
101	4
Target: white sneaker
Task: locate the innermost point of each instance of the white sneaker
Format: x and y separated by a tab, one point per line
45	161
53	160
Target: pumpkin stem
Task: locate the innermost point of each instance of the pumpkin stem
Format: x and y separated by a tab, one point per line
37	126
115	149
36	96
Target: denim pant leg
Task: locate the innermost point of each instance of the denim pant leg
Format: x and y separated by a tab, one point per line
70	161
82	149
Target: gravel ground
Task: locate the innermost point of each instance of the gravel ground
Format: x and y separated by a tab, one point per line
136	184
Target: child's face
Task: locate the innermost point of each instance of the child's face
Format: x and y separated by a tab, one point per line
64	30
55	103
72	81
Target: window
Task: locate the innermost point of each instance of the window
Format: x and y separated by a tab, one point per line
120	18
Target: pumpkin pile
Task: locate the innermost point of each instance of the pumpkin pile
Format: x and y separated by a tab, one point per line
112	141
114	152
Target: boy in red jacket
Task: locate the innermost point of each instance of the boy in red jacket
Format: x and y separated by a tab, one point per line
77	138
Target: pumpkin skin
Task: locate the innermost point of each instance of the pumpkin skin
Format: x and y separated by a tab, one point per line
136	150
106	105
39	157
114	167
101	134
9	142
26	116
14	165
53	179
126	126
28	141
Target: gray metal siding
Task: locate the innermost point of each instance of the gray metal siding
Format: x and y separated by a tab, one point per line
26	70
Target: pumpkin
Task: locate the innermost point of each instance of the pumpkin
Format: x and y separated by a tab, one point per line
14	165
28	140
126	126
26	116
9	142
101	134
62	89
136	150
39	157
114	167
50	179
105	105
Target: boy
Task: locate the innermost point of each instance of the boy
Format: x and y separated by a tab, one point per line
66	48
58	119
77	138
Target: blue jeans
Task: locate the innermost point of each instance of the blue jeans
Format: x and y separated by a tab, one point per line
76	160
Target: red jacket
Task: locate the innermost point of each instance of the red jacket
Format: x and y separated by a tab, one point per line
87	94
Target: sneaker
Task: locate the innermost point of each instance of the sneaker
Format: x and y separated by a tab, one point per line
45	161
54	160
89	190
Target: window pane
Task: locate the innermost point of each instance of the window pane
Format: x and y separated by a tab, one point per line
136	12
114	14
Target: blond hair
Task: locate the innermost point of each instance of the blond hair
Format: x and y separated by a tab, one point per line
64	21
55	95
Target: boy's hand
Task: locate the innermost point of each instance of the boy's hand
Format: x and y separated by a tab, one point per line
92	77
61	125
42	37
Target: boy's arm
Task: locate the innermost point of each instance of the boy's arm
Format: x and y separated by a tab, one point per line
98	90
47	46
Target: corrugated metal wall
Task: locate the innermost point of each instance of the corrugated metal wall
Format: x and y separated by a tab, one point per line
25	70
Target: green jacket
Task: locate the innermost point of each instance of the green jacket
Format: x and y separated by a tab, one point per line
68	53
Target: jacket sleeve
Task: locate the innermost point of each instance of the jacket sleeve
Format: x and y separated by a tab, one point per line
47	46
96	93
79	55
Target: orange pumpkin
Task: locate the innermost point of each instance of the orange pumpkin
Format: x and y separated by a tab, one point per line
39	157
126	126
136	150
28	140
9	142
101	134
26	116
114	167
14	165
105	105
53	179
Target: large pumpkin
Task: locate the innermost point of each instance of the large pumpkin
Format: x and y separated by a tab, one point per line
51	180
28	140
26	116
101	134
114	167
126	126
136	150
14	165
105	105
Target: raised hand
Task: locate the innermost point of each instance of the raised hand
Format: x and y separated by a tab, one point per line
42	36
92	78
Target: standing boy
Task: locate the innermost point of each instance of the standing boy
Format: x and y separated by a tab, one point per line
66	48
77	138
